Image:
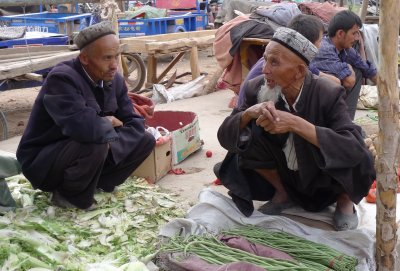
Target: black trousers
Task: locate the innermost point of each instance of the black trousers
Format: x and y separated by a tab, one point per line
237	173
81	168
353	94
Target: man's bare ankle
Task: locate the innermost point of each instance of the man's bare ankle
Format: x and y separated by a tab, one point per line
280	198
345	205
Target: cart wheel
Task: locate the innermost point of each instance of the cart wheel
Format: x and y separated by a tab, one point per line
3	126
134	71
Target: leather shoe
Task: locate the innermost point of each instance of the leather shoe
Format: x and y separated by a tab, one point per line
58	200
273	208
344	222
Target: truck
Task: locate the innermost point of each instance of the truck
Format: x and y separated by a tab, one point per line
183	16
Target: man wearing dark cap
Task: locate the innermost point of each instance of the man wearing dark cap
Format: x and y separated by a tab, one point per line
83	134
295	145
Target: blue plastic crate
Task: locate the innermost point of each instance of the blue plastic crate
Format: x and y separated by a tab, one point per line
176	22
63	23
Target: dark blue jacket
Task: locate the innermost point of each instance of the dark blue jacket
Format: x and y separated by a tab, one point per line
66	109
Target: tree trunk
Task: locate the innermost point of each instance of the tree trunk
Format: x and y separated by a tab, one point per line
386	164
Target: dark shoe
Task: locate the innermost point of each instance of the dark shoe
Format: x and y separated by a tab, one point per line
106	190
216	168
343	222
60	201
272	208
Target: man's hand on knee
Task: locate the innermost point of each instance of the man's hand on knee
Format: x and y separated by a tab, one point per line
114	121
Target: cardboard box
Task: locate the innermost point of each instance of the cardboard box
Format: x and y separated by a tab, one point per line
184	129
157	164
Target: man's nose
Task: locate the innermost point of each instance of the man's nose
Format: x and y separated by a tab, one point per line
266	68
114	63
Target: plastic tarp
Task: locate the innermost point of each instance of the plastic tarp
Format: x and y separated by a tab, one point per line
12	32
215	212
146	12
370	34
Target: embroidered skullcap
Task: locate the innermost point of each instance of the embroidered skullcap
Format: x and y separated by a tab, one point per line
92	33
295	42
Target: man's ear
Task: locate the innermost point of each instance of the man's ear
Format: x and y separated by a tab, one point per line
301	71
83	57
340	33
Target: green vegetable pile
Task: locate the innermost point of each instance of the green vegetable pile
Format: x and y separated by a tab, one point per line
309	256
121	230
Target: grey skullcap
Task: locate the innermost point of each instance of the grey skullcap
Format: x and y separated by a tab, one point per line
92	33
295	42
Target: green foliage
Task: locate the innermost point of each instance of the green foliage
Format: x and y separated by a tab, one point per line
4	253
124	226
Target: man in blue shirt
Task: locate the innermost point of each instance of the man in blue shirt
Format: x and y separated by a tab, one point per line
337	57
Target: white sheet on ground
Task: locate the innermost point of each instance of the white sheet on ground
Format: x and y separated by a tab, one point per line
215	212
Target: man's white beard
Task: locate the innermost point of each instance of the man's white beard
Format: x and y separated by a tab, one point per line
269	94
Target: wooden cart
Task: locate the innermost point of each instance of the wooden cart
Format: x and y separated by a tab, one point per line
168	44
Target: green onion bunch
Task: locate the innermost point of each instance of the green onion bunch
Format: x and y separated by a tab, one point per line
305	251
213	251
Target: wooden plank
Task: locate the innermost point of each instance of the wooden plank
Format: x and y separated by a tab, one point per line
173	36
151	69
256	41
194	62
138	44
34	49
23	67
17	58
170	66
181	43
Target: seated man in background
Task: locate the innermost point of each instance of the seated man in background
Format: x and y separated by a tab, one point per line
295	143
311	28
83	134
337	57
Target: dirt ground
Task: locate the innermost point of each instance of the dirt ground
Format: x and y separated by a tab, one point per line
17	104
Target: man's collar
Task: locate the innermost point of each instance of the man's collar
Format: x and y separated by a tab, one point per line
295	102
343	51
99	84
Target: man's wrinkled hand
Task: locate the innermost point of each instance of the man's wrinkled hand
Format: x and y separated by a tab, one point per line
284	123
114	121
266	109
